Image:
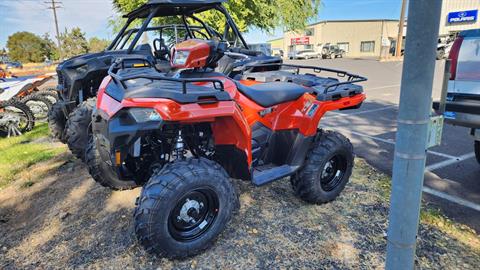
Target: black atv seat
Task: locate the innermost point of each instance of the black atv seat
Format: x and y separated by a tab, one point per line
270	94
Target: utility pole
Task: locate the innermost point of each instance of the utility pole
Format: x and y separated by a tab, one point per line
401	25
53	6
413	125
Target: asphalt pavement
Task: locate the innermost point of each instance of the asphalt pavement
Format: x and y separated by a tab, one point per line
452	176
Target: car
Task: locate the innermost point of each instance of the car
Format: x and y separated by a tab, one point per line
305	54
277	52
462	107
332	51
11	65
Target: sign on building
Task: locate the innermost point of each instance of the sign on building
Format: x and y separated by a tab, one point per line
300	41
463	16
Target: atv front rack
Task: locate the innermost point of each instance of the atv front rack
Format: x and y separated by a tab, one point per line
137	63
331	86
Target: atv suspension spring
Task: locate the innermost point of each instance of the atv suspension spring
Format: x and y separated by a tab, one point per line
179	150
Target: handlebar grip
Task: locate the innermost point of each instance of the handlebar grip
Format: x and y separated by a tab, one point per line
247	52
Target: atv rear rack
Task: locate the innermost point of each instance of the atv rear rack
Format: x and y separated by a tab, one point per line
351	78
142	63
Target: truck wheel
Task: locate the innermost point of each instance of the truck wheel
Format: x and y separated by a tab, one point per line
56	122
39	105
100	170
78	128
184	207
477	150
327	168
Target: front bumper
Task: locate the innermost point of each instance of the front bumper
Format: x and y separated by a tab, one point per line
120	137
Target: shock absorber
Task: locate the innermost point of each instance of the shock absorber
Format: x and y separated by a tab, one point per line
179	150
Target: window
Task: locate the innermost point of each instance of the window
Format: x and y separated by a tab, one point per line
309	47
309	32
367	46
344	46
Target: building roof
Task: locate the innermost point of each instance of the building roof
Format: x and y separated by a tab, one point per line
174	7
350	21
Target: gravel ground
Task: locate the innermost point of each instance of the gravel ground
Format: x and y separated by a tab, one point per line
62	219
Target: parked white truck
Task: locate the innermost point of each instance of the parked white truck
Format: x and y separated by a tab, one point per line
463	98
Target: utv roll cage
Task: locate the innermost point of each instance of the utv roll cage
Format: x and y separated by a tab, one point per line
184	9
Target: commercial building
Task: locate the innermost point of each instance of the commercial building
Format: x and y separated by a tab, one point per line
373	38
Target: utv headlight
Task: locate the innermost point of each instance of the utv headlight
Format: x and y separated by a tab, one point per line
180	57
142	115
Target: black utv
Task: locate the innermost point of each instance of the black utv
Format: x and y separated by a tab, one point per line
80	77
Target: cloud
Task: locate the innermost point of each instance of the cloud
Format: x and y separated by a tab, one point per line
32	15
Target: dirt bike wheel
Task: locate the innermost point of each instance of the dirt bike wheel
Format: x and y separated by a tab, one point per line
78	128
39	105
22	120
184	207
327	168
52	96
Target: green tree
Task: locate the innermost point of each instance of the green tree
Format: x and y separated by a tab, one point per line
97	45
263	14
73	43
26	47
49	49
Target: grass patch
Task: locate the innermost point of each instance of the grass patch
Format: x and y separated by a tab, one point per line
435	218
19	153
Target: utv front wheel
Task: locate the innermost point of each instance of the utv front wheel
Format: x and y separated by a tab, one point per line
56	122
477	150
100	170
327	168
184	207
78	128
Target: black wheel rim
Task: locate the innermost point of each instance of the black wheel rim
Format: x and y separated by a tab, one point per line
333	172
193	214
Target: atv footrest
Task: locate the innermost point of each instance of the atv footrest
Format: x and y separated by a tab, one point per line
268	173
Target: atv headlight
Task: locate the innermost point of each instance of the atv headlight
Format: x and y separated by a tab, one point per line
180	57
142	115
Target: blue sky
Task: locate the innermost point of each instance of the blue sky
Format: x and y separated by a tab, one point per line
92	16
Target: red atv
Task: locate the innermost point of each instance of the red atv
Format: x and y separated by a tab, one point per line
184	138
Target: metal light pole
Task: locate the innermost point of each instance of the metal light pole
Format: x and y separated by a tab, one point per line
413	122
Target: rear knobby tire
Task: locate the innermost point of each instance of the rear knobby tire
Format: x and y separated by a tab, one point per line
52	96
327	169
56	122
46	107
78	128
100	170
176	187
477	150
23	108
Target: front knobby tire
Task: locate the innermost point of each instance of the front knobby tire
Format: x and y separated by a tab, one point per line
327	169
184	207
56	122
101	171
78	128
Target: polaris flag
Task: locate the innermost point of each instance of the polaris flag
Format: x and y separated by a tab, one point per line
463	16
